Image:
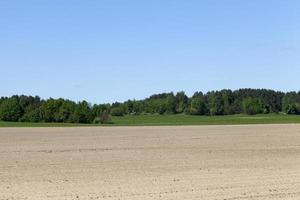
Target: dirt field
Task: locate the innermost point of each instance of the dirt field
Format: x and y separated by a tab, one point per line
142	163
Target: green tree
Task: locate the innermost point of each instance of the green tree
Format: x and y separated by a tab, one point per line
34	115
50	110
216	103
291	109
117	111
98	109
181	102
82	113
65	111
198	106
291	103
10	110
170	104
252	106
227	102
138	107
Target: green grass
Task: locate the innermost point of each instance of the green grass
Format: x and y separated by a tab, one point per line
163	120
205	120
39	124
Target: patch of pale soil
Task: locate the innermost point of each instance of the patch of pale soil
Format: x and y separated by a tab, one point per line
141	163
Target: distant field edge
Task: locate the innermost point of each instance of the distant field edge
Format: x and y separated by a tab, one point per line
174	120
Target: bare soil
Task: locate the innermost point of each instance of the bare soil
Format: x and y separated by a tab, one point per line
141	163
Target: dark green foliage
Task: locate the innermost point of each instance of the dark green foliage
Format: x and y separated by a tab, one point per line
50	110
272	100
66	109
216	103
32	116
117	111
228	102
252	106
82	113
137	107
171	104
291	109
291	103
10	109
181	102
198	106
223	102
97	110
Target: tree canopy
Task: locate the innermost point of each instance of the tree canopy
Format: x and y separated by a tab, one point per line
223	102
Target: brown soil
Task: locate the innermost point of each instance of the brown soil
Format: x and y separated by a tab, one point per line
141	163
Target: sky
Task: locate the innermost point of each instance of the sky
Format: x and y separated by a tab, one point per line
114	50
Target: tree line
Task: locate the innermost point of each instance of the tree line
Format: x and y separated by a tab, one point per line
224	102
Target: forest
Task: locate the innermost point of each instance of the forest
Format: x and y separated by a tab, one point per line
21	108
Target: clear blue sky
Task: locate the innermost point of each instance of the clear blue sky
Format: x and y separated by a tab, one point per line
113	50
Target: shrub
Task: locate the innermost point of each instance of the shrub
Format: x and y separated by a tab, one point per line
117	111
104	118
